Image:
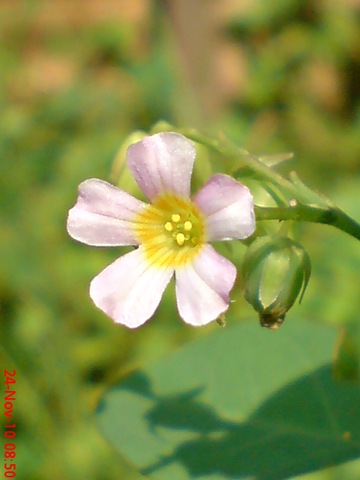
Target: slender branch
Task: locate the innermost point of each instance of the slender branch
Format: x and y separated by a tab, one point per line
246	159
308	205
304	213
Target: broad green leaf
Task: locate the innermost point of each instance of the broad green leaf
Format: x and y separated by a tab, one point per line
240	403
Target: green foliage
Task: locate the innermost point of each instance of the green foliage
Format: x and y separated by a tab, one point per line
242	403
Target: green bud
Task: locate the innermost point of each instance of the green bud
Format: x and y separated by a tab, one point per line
275	271
162	126
120	174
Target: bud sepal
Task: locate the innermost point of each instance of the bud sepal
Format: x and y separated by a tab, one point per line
276	270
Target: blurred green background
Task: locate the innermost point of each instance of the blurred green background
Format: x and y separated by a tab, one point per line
76	78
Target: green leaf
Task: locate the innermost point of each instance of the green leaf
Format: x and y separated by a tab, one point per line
243	402
347	357
276	159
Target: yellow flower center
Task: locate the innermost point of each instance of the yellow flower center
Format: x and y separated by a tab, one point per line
171	230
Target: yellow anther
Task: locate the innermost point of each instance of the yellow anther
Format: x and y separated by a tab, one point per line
168	226
187	226
180	239
175	217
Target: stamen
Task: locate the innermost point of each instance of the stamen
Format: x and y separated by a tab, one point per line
187	226
168	226
172	230
180	239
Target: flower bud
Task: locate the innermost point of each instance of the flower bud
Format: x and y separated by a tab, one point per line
120	175
275	270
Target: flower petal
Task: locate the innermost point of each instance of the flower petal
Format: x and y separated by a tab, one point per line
129	290
162	163
203	286
228	208
102	215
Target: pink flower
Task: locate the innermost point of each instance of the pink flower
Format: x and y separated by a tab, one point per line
172	234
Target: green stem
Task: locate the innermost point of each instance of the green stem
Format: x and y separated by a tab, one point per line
321	209
304	213
262	171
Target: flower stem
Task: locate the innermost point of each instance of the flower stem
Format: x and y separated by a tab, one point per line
320	210
244	158
304	213
308	206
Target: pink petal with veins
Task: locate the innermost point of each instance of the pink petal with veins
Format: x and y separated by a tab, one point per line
203	286
228	208
103	215
130	289
162	163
